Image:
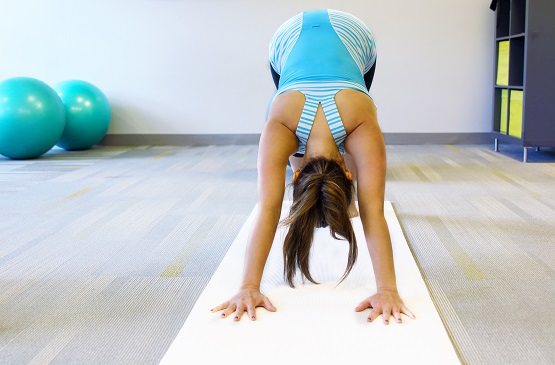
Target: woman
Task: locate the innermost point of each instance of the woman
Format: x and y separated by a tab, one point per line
323	122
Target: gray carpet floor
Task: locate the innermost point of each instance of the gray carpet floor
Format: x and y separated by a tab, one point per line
104	252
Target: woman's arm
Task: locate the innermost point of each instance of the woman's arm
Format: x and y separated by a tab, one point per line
277	143
366	145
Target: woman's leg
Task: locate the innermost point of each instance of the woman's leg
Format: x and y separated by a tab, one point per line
350	164
369	76
275	76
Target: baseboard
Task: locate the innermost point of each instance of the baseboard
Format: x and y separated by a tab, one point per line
437	138
253	139
179	139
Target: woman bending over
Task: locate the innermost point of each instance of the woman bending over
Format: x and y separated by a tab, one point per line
323	122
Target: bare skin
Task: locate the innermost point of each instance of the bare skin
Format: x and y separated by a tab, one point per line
365	157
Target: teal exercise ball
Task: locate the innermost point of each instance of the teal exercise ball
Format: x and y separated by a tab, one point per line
88	114
31	118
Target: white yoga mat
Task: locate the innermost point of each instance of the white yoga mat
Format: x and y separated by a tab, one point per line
315	324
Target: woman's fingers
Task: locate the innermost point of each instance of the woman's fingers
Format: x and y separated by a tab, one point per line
240	305
268	305
407	312
387	304
373	315
397	316
386	314
239	313
251	312
220	307
362	306
230	309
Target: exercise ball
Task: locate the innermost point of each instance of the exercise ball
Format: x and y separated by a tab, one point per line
31	118
88	114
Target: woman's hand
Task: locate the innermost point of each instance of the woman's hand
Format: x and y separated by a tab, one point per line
387	303
246	300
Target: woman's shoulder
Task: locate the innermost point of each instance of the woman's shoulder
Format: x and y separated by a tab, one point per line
356	108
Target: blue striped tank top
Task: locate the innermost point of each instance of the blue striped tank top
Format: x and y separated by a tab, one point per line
320	53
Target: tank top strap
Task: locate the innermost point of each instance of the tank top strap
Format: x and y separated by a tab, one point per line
334	121
306	121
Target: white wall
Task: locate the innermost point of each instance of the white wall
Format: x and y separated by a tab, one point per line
200	66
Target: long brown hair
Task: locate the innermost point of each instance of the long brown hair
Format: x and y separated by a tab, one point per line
322	194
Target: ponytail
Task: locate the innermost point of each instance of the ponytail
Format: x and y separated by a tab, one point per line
322	194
